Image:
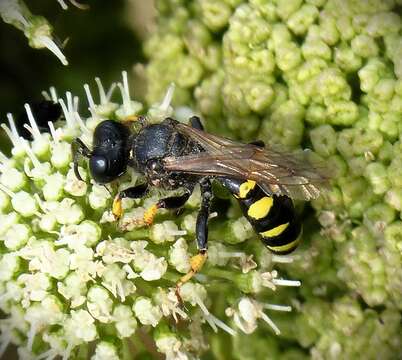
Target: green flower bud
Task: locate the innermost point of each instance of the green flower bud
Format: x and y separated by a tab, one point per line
287	8
364	46
323	139
215	14
347	59
300	21
377	175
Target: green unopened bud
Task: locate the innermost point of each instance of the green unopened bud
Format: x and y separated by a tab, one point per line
300	21
347	59
215	14
324	140
364	46
286	8
377	175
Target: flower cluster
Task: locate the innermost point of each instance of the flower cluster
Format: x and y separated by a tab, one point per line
71	275
324	74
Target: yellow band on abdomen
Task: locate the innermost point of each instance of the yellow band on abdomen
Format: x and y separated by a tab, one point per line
245	188
275	231
260	208
287	247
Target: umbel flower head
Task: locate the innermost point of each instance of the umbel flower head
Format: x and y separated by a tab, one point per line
323	74
73	279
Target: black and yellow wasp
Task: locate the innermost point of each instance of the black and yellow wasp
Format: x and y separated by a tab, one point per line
174	155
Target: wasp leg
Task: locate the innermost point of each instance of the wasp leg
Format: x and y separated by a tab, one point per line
201	231
135	192
195	122
173	202
79	149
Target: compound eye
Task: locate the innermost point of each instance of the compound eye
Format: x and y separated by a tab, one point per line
98	166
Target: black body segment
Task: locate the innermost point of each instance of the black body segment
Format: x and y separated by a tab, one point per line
156	142
43	112
110	152
272	217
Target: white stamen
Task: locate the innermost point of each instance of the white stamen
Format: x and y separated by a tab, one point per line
70	105
168	97
12	134
67	352
284	282
267	319
81	124
277	307
177	232
102	94
6	190
11	122
285	259
34	159
53	132
232	254
75	103
34	125
125	97
67	114
31	335
47	355
27	169
89	96
46	95
51	45
53	93
125	84
110	91
26	126
62	4
212	320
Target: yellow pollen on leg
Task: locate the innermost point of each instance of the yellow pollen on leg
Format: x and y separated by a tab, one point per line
260	208
117	209
131	118
196	262
150	214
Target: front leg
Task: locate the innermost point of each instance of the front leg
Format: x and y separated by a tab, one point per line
201	231
79	149
134	192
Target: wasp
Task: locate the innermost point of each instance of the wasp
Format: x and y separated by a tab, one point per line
43	112
173	155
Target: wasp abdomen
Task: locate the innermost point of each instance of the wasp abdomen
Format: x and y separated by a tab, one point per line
272	217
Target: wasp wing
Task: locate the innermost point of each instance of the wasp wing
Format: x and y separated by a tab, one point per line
276	172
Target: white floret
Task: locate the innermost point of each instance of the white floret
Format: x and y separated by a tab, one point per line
105	351
100	304
179	256
80	327
73	288
124	320
146	312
